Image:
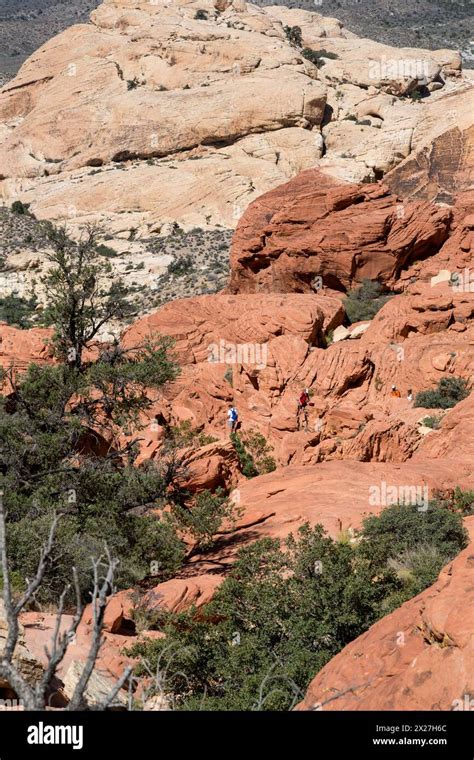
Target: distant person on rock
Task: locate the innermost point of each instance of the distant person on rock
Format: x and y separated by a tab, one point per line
232	419
303	409
410	395
395	392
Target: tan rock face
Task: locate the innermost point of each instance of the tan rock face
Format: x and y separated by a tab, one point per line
418	658
149	81
29	666
441	163
190	119
315	231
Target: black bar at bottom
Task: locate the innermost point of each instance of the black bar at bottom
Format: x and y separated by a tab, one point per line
120	735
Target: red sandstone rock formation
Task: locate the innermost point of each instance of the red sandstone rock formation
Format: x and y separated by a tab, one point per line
316	227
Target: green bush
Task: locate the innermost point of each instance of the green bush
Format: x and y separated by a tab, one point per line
462	501
294	35
203	518
403	527
280	616
200	15
365	301
107	251
432	422
254	453
183	434
450	391
17	311
18	207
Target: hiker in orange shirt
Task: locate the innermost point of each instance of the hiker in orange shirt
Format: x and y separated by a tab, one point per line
395	392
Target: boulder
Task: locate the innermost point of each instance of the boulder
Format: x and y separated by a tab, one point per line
98	688
28	665
180	594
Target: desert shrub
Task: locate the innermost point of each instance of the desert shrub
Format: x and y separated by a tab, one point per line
403	527
107	251
200	15
450	391
417	568
184	434
247	465
462	501
17	311
229	376
254	453
293	35
20	208
205	515
365	301
432	422
145	617
317	56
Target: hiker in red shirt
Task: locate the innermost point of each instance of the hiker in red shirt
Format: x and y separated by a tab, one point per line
303	408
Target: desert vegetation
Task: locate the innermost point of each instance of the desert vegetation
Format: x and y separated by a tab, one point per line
284	612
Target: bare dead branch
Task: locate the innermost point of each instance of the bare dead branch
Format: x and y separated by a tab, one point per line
99	603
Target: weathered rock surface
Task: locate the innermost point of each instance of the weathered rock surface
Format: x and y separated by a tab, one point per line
420	657
152	82
179	594
455	256
225	329
280	502
20	348
315	231
98	688
191	119
29	666
441	161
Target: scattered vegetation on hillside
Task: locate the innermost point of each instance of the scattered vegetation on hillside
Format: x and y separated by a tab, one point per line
432	422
